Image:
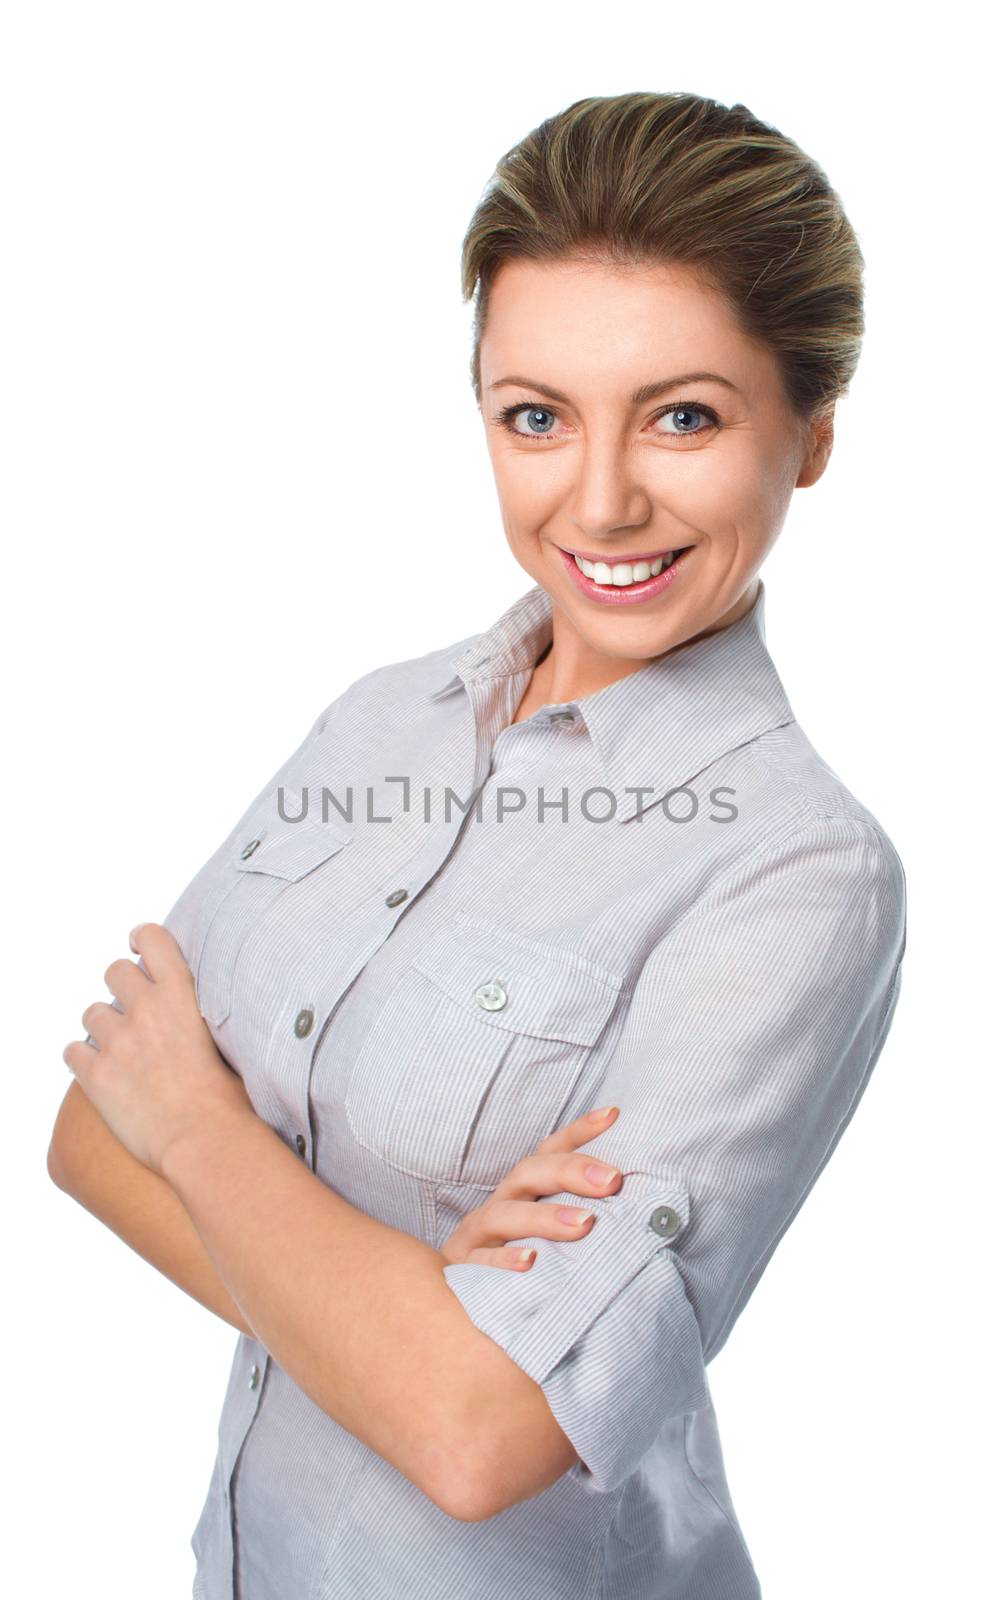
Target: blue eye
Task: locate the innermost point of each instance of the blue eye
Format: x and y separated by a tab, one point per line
540	419
678	412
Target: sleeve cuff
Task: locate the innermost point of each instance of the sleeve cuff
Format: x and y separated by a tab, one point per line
602	1324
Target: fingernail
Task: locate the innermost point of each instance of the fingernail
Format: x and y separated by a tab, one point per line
600	1116
600	1175
568	1214
524	1255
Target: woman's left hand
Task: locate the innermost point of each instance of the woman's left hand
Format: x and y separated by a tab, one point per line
154	1072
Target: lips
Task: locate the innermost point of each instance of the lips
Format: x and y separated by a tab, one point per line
626	593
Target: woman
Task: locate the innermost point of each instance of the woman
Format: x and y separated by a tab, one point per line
583	860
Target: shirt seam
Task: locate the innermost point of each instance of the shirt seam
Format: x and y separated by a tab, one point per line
717	1337
604	1539
693	1479
506	672
774	766
856	818
789	830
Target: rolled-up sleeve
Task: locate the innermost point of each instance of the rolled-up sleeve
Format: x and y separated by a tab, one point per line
748	1040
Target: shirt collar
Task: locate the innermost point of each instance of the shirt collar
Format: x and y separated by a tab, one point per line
660	726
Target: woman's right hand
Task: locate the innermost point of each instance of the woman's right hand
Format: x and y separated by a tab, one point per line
514	1212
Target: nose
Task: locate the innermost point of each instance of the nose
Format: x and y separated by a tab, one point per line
609	495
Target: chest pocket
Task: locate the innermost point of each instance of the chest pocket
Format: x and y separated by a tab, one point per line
257	870
474	1052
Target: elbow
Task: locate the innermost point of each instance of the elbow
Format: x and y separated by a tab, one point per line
453	1475
507	1472
453	1484
497	1445
481	1496
465	1499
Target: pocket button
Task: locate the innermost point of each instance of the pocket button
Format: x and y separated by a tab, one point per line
491	996
303	1023
250	848
665	1221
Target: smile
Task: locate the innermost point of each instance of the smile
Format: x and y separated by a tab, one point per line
623	573
627	580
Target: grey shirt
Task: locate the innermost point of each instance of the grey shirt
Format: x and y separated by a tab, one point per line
658	896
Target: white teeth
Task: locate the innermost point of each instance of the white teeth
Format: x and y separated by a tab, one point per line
624	572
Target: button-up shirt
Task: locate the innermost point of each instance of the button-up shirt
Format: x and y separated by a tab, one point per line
437	935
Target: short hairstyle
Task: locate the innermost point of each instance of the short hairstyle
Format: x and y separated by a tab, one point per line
642	178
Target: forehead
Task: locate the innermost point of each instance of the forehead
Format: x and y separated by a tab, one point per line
571	320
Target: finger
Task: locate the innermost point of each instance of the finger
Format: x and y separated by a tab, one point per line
580	1130
556	1173
524	1176
125	980
159	950
100	1019
78	1056
513	1258
500	1222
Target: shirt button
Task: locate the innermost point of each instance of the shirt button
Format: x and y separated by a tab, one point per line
397	897
300	1143
250	848
665	1221
562	716
491	996
303	1023
254	1378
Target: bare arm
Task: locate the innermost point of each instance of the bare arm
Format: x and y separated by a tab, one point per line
359	1315
88	1162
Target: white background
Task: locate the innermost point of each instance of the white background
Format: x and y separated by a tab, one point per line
242	464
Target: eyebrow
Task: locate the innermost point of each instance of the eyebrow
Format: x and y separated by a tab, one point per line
648	391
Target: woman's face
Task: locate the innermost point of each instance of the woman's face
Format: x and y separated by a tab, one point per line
606	445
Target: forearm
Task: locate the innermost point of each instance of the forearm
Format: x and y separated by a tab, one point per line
89	1163
357	1313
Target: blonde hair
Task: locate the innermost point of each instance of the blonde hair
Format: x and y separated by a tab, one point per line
646	178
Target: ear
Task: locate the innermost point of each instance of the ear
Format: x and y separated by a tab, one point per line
819	445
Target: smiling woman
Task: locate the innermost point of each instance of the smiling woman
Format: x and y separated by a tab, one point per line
444	1383
646	510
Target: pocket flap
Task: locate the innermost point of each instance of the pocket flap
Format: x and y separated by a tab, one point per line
546	992
290	849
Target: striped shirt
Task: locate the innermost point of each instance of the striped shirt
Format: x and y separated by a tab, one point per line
435	936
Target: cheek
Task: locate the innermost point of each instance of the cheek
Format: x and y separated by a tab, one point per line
529	491
731	492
